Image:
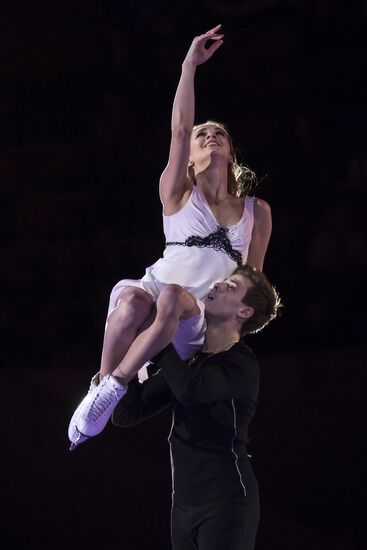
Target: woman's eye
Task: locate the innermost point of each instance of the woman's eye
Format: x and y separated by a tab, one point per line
200	134
220	132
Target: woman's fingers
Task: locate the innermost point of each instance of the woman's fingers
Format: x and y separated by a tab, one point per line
207	36
214	47
212	34
201	40
198	53
214	30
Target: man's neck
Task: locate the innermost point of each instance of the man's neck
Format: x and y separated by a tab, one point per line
219	337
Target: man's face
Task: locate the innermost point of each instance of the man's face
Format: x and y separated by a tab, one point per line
224	300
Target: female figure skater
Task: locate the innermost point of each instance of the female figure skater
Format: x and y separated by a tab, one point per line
210	225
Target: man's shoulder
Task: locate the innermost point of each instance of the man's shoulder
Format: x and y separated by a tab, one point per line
241	356
242	348
243	364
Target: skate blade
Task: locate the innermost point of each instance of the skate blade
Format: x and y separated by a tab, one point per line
80	439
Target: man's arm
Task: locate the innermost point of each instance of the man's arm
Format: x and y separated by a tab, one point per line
142	401
233	374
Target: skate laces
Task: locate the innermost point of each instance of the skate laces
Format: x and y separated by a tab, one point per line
102	402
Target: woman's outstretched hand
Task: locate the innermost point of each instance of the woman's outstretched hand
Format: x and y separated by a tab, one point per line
198	53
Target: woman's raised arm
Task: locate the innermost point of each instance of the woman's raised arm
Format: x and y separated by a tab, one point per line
174	182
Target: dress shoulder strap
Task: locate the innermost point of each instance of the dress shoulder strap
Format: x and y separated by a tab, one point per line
249	204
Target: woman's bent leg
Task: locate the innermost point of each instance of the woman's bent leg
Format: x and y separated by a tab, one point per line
173	304
133	308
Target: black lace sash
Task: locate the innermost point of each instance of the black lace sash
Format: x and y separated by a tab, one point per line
218	240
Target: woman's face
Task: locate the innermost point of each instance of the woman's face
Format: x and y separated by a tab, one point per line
208	140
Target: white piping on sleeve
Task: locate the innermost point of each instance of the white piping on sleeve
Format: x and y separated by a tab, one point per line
233	451
171	456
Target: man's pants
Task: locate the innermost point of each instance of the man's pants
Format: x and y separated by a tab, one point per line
228	524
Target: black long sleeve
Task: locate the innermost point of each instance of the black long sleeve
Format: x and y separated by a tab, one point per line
228	375
142	401
213	401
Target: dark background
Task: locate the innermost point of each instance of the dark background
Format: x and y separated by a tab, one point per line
85	102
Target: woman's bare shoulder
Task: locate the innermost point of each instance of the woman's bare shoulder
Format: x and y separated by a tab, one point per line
262	209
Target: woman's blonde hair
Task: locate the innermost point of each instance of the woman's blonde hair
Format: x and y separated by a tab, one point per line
241	179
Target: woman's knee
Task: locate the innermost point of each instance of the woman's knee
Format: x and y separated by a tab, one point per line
135	297
170	293
133	303
169	299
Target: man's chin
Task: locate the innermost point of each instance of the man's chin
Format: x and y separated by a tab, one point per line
208	305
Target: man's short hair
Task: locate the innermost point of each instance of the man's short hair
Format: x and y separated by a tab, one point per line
261	296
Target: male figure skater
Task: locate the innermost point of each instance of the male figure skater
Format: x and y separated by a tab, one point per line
213	398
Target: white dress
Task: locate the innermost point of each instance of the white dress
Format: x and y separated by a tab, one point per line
198	251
